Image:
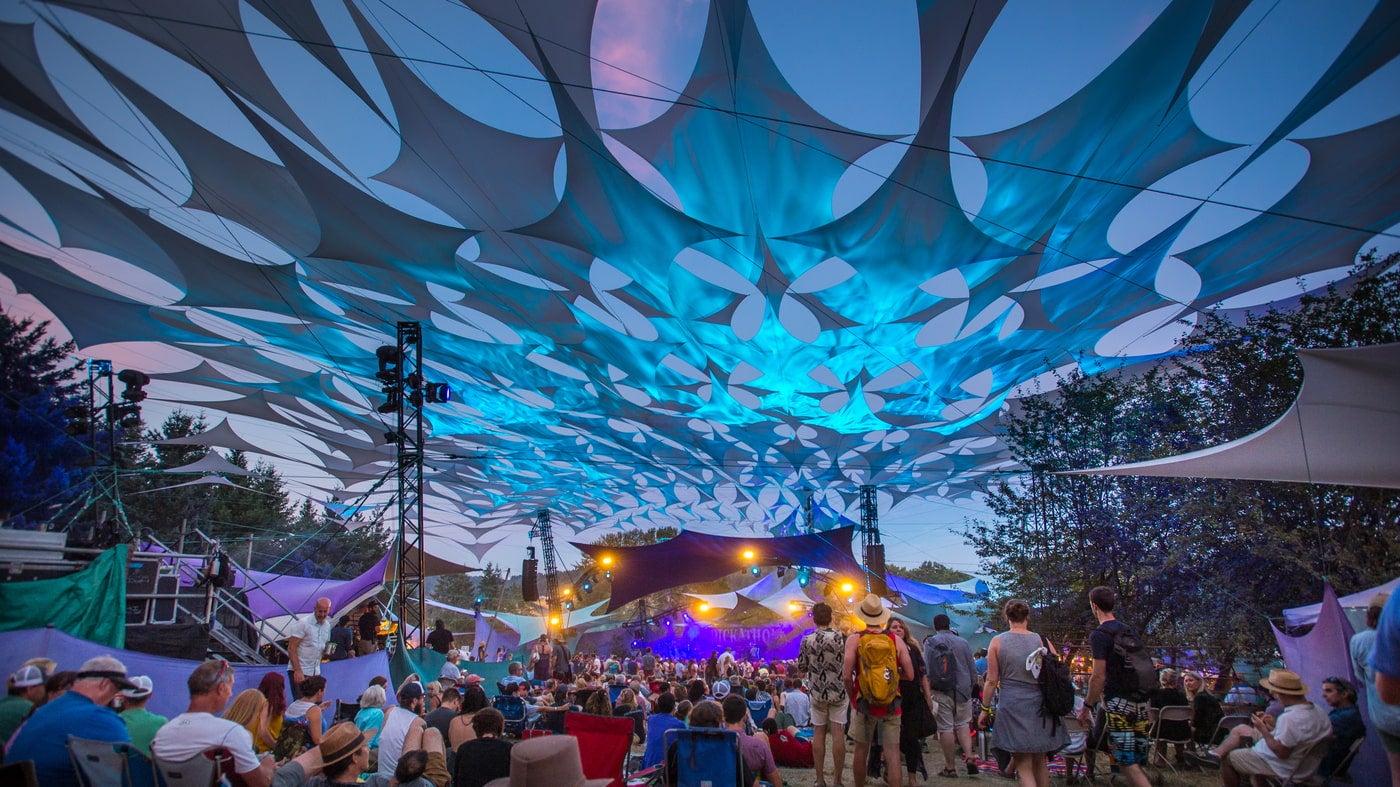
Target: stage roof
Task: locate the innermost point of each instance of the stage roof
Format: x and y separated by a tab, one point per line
680	262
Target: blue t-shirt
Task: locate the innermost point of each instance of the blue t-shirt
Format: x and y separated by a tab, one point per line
657	725
44	738
1385	657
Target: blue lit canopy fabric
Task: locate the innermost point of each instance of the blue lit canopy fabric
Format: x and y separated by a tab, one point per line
692	316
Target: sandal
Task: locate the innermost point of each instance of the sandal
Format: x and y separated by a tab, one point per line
948	773
972	769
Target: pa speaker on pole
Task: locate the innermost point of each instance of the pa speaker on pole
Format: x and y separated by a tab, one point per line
875	566
529	582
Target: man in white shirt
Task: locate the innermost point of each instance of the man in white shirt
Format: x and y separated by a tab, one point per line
200	729
307	643
401	718
1279	746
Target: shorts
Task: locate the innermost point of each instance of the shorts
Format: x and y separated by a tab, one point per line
1390	742
1247	762
436	770
951	714
875	729
1128	726
830	712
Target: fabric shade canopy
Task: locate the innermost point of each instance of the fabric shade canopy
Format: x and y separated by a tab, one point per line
1344	428
1301	616
699	557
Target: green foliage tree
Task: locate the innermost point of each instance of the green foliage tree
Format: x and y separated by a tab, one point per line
41	467
1199	563
930	572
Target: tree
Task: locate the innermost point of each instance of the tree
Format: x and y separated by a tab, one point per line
930	573
1199	563
40	465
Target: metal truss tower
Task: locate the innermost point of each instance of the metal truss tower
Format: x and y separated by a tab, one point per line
400	370
545	533
99	419
873	550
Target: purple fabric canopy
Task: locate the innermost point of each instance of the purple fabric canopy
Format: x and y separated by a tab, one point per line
299	594
699	557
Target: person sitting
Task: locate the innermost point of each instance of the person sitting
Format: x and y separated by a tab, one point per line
707	714
515	674
83	711
485	756
343	755
797	704
598	704
141	723
24	693
423	762
249	709
1169	694
752	748
274	688
459	730
310	708
1347	726
370	717
403	728
626	703
1206	712
200	729
789	751
450	670
440	718
1279	744
662	719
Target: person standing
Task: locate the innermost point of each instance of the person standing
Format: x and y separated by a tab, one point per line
369	629
1013	670
1385	718
819	658
306	643
952	704
440	639
873	669
542	660
342	640
561	665
1126	714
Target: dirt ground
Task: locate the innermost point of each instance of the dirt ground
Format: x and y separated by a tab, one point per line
1163	777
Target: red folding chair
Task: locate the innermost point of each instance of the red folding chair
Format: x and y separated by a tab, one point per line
604	743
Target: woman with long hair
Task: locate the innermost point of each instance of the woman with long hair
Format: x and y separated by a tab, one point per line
1206	712
309	709
1013	669
916	703
274	687
460	730
249	710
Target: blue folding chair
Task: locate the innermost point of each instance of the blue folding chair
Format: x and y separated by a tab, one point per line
513	709
759	710
703	757
614	691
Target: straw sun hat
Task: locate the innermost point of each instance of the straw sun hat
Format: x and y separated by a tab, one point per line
1281	681
549	761
872	611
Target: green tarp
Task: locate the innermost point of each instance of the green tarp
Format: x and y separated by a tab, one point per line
88	604
427	663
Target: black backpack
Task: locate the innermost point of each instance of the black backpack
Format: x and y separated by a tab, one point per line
1137	675
942	670
1056	685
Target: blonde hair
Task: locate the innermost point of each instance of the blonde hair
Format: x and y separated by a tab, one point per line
247	709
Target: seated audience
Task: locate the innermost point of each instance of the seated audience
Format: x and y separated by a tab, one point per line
459	730
754	750
1279	744
403	727
310	708
662	719
249	709
797	704
441	717
370	716
486	756
1169	694
706	714
82	711
24	693
1206	712
200	729
141	723
598	704
274	688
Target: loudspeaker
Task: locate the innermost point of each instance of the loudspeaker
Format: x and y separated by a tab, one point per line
529	582
163	609
875	565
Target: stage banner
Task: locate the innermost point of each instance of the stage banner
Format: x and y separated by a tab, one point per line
88	604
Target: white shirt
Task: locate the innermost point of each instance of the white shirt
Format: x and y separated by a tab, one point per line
1298	726
391	738
191	733
314	637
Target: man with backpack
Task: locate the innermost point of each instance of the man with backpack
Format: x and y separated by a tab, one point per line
1122	678
951	677
874	663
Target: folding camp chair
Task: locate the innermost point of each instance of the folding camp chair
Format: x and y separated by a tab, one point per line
1226	724
704	756
1079	757
1178	716
639	724
603	742
105	764
614	691
1340	773
1307	765
759	710
512	708
202	770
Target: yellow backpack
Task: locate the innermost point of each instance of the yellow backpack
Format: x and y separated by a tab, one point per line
878	678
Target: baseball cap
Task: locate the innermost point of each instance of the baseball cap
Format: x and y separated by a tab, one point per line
141	686
720	689
28	677
411	691
105	667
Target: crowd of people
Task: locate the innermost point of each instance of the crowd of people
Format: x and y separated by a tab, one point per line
874	690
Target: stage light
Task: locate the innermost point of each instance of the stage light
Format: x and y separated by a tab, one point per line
703	607
668	622
794	606
607	575
587	586
754	571
804	576
566	592
688	618
749	555
606	560
569	605
437	393
636	643
554	621
847	587
134	381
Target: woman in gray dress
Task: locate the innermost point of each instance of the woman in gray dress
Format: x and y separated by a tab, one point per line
1013	665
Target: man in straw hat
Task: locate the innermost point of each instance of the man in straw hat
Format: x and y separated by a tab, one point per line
1384	718
549	761
870	663
1279	744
